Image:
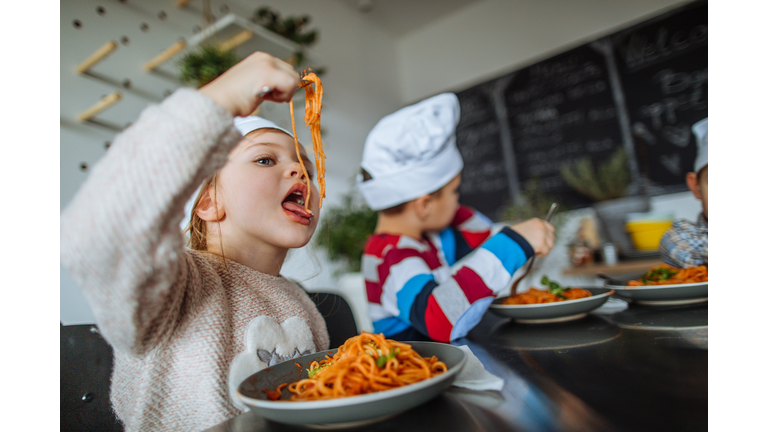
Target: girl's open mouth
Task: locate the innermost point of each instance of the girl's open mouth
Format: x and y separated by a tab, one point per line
293	204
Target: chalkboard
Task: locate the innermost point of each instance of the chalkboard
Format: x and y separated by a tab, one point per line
639	89
662	65
485	173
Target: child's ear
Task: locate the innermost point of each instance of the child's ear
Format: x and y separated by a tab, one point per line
423	206
208	209
693	184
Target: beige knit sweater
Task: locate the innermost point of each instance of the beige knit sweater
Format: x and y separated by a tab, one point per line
186	327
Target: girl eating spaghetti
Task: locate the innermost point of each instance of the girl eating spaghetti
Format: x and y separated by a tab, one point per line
189	325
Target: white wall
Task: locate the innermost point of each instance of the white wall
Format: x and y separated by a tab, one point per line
498	36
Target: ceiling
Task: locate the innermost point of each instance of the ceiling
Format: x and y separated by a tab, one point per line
399	17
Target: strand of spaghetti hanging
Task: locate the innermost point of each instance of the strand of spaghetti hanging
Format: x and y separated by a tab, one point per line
301	160
313	105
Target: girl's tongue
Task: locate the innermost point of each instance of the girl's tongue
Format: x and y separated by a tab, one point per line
293	206
297	209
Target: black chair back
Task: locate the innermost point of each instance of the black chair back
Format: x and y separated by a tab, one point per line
339	318
85	370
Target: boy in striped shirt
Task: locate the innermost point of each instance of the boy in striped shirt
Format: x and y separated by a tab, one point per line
432	266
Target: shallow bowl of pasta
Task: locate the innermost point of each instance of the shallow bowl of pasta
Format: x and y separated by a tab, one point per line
259	390
557	311
665	285
663	295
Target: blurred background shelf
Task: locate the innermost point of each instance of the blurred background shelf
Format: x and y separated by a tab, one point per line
233	31
622	268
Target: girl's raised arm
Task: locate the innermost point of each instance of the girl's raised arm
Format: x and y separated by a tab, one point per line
120	236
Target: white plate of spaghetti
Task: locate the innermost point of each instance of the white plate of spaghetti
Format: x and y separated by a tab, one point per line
553	303
556	311
396	376
662	295
666	285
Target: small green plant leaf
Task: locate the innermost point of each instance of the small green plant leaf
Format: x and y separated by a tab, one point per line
345	229
610	180
205	64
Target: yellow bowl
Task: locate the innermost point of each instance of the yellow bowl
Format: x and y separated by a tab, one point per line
646	235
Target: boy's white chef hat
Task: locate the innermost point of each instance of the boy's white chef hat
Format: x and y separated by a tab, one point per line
244	125
411	153
700	130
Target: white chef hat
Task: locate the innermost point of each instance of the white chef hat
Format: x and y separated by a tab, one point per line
244	125
700	130
411	153
249	124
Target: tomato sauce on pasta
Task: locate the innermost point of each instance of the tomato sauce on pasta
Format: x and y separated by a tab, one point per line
667	275
536	296
366	363
313	105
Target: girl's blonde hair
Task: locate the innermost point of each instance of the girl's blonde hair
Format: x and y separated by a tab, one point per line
198	233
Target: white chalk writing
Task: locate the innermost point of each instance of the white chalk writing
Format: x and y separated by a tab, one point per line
597	145
671	163
641	50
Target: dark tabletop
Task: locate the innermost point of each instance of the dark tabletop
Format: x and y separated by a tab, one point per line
621	368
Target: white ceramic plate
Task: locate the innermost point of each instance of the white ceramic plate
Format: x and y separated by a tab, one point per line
663	294
350	411
566	310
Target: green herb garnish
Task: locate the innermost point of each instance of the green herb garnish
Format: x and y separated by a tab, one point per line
658	274
314	371
382	360
554	287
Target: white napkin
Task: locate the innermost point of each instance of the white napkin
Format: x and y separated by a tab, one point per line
473	375
613	305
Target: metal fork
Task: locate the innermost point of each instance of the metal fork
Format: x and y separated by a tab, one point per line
513	292
266	89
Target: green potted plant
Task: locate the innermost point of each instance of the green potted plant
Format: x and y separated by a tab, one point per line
203	65
291	28
345	229
608	186
608	181
533	204
343	232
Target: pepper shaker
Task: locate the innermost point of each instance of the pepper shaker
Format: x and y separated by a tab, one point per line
609	254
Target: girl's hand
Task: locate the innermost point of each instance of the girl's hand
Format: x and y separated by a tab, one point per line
540	235
237	89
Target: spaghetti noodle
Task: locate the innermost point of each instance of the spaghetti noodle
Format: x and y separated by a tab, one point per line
667	275
554	292
275	394
366	363
313	104
536	296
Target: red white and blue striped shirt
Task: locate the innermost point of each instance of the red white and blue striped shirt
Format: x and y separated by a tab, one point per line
442	284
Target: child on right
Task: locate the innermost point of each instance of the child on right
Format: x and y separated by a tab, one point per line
432	266
686	244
